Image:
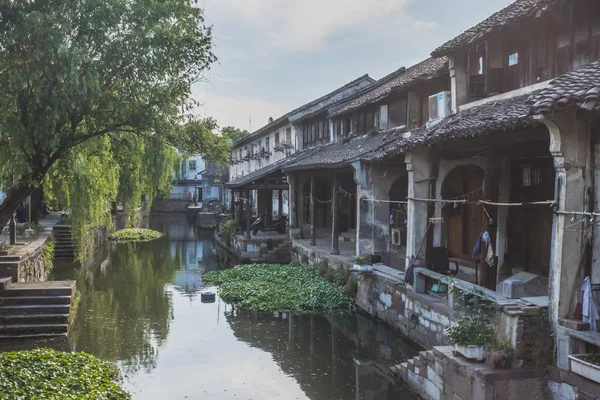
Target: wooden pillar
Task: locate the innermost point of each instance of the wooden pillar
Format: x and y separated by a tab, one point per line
300	212
487	272
248	214
335	223
313	235
280	202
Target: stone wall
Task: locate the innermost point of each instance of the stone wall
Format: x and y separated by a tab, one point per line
28	261
422	319
170	206
564	385
32	268
440	375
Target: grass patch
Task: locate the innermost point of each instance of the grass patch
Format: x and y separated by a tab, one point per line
272	287
50	374
134	235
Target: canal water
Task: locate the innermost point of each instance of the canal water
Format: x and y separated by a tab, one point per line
140	307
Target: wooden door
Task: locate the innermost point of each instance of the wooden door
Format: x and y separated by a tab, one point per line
462	222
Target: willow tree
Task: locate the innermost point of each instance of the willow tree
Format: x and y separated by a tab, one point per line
75	71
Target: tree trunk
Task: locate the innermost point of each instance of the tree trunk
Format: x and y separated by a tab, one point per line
14	197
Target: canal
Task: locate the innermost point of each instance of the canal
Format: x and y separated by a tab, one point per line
140	307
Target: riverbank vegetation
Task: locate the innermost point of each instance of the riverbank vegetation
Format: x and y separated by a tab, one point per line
134	235
87	119
50	374
271	287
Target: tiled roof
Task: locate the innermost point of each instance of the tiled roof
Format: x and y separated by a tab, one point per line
395	147
339	154
313	106
515	12
269	169
492	117
580	88
430	68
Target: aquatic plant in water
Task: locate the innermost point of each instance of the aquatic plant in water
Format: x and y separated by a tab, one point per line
273	287
50	374
134	235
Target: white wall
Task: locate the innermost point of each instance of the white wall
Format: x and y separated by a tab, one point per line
246	167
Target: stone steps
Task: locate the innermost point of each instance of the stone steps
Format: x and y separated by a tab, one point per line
29	329
35	309
34	300
42	291
34	319
64	249
39	309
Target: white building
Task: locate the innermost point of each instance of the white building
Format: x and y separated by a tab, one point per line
253	155
196	179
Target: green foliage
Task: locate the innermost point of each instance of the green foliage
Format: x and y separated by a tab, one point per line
50	374
233	133
471	332
134	235
268	287
48	253
337	276
227	230
360	259
200	135
73	73
504	346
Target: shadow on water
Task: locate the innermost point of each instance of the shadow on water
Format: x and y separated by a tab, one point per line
140	307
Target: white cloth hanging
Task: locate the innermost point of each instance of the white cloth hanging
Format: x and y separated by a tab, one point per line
590	313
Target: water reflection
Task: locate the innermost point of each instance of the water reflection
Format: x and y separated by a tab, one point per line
139	307
331	357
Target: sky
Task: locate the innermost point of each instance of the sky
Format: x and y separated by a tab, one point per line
276	55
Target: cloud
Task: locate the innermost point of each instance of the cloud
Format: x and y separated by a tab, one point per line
291	26
236	111
426	25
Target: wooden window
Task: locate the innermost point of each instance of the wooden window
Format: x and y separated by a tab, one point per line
192	165
476	65
383	117
540	60
276	139
513	70
398	113
288	135
268	144
369	121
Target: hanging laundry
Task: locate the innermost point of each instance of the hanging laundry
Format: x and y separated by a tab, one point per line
590	313
489	257
391	219
477	248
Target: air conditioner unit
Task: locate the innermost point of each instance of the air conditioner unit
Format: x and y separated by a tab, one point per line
396	237
440	106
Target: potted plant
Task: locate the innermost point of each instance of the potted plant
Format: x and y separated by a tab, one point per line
414	124
469	336
586	365
361	264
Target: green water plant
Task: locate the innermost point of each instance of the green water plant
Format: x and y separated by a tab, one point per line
134	235
48	253
51	374
274	287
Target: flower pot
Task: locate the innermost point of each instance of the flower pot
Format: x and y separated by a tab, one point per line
363	269
585	368
474	353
